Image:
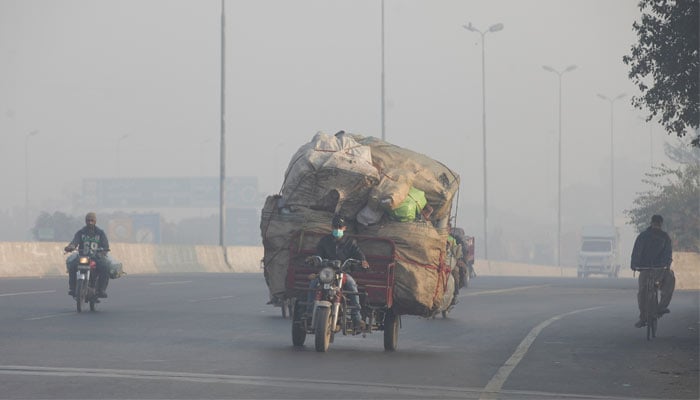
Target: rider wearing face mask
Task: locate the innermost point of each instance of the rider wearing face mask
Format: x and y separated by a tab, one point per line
338	246
87	240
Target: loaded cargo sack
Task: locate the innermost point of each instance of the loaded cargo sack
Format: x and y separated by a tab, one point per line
116	270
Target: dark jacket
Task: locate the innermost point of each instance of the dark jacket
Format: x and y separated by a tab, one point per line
330	248
652	249
87	240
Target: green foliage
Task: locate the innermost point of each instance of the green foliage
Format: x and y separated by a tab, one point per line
667	57
56	227
675	194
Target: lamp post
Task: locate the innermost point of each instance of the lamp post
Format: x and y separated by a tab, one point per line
492	28
26	177
119	141
612	100
559	75
222	145
383	82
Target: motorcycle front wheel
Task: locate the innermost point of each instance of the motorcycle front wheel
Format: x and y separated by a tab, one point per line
79	295
323	329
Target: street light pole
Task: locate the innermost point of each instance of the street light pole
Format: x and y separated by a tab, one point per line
612	100
383	82
119	141
492	28
26	178
559	74
222	146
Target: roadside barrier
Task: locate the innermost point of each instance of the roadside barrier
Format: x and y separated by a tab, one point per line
27	259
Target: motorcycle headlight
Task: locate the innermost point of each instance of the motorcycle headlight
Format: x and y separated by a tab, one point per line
83	260
326	275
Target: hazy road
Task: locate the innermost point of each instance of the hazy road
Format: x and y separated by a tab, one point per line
212	336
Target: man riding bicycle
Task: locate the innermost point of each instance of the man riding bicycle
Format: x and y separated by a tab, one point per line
652	254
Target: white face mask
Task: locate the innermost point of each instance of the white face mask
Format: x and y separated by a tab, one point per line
337	233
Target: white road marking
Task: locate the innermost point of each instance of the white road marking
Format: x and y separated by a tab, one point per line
494	386
374	389
49	316
211	299
169	283
21	293
514	289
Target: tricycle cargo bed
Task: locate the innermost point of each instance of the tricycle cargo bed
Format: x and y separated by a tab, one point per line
375	284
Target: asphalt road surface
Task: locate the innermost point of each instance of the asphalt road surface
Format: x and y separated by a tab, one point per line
212	336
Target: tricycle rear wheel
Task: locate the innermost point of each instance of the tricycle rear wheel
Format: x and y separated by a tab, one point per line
298	330
391	331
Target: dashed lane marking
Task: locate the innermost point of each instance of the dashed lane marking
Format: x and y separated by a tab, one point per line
49	316
21	293
513	289
169	283
211	299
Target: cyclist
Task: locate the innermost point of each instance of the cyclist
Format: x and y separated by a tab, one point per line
652	249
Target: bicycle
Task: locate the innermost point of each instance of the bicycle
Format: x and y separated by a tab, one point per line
652	285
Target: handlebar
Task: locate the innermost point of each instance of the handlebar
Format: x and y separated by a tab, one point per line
317	261
650	268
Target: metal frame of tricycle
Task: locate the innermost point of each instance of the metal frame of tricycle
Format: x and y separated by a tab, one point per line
375	285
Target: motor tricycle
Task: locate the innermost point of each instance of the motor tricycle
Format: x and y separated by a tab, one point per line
329	312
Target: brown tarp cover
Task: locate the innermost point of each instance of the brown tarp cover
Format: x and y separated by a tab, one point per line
340	174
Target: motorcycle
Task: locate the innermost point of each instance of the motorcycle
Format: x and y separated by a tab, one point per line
331	312
86	281
327	311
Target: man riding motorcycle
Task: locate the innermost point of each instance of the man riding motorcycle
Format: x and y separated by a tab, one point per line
88	241
337	246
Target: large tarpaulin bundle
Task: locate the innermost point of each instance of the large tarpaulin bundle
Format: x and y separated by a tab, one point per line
439	183
277	226
421	275
347	174
332	173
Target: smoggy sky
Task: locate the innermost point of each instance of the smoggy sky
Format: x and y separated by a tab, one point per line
131	88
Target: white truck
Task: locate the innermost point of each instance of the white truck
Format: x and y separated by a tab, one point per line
600	251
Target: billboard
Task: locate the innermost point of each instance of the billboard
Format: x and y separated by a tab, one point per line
241	191
137	228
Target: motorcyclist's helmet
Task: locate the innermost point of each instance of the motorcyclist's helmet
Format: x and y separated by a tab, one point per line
338	222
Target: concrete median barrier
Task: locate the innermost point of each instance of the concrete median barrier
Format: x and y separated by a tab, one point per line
686	267
26	259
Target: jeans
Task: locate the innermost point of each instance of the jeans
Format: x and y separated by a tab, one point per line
349	286
102	269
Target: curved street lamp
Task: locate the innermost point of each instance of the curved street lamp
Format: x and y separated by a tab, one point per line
612	101
493	28
559	74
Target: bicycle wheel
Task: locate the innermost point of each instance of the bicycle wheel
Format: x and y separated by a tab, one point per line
652	305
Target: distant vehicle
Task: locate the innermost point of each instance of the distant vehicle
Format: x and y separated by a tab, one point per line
599	253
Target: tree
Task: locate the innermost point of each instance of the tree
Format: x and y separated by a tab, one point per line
667	54
675	194
56	227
